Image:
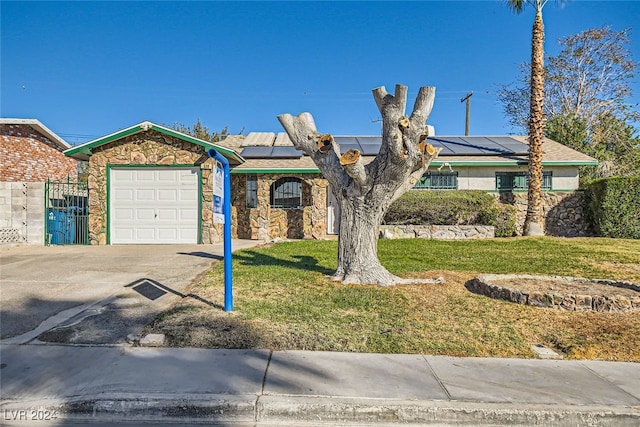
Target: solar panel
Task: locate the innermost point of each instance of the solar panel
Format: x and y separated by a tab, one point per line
370	146
255	152
478	146
285	152
377	140
370	149
512	144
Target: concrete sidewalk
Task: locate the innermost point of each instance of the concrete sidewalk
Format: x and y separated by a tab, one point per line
259	387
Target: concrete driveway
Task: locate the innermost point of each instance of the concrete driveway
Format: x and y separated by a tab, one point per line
95	294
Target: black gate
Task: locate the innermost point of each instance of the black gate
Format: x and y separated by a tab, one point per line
67	213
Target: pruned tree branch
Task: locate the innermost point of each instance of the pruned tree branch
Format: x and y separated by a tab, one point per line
321	148
301	130
351	161
430	153
423	105
325	143
384	100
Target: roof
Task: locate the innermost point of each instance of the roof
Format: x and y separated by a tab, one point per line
38	126
84	151
281	156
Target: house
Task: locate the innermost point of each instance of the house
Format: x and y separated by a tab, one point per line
30	155
151	184
280	193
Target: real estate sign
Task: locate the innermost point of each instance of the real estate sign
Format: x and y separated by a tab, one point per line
218	193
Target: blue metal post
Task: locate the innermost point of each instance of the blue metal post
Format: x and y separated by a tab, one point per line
226	210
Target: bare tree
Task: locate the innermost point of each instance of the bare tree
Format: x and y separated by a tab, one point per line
365	191
591	76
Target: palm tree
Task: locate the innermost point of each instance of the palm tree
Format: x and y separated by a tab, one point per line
534	218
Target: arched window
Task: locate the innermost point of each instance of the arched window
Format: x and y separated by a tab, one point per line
286	193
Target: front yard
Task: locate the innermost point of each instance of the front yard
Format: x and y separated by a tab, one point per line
282	300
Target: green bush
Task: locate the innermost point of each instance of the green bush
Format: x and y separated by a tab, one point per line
505	223
613	207
464	207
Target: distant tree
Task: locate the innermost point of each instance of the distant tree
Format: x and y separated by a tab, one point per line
533	219
201	131
83	171
586	88
609	139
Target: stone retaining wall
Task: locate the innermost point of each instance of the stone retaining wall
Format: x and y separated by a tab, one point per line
548	298
438	232
564	213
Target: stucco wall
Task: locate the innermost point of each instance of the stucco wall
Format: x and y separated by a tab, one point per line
28	156
565	178
147	148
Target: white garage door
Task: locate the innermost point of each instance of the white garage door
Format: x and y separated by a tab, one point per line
153	205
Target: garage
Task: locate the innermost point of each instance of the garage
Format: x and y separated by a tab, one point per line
149	184
154	205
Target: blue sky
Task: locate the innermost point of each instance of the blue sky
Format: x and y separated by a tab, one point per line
87	69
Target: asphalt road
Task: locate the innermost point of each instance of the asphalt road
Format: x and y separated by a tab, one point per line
94	294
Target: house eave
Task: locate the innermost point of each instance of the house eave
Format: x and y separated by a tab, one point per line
245	171
83	151
38	126
512	162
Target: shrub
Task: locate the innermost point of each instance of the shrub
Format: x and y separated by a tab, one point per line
613	207
463	207
505	223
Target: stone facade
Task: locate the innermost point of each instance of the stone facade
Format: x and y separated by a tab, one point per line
28	156
147	148
565	213
266	223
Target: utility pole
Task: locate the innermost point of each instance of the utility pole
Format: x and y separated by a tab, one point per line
468	116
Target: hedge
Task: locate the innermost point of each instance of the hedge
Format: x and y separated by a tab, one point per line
613	207
462	207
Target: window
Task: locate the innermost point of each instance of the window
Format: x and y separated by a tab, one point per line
286	193
520	180
438	181
252	191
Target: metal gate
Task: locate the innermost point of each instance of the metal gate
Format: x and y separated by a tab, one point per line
67	213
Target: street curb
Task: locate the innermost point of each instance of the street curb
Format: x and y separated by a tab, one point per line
279	409
283	410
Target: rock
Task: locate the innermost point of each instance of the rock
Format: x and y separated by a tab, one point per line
544	352
152	340
133	339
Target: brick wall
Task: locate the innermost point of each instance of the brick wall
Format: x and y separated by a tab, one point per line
28	156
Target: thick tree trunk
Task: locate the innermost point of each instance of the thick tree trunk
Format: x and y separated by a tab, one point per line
358	246
365	192
534	218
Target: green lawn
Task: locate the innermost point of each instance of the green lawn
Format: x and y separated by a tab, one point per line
282	300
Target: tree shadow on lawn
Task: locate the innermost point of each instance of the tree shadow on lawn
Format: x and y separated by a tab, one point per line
304	263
